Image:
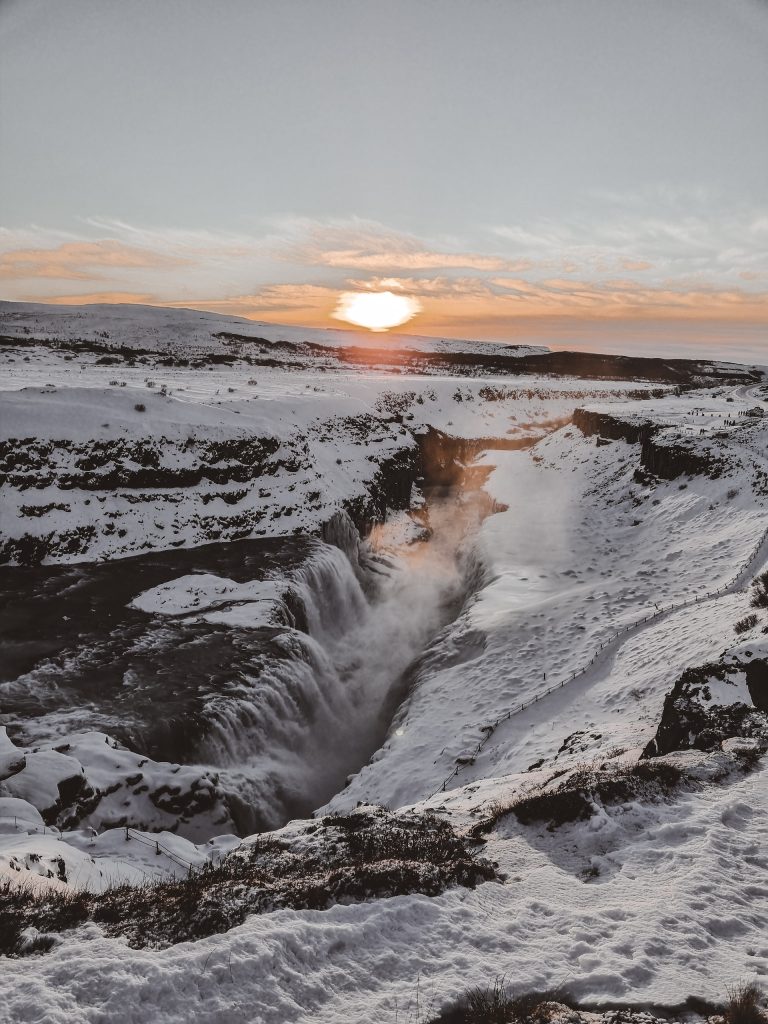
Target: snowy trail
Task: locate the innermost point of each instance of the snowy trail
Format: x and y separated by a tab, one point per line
532	712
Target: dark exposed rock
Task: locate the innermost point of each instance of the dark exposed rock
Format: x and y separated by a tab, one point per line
670	458
661	456
572	795
104	465
446	461
390	489
756	673
29	550
588	365
698	715
633	430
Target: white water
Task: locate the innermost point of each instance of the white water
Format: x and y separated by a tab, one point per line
288	743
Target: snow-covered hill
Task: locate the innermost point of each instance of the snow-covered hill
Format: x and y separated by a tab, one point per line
191	331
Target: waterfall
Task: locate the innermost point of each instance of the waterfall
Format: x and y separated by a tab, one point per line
285	738
330	593
317	709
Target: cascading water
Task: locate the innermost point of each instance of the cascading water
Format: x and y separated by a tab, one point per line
333	600
289	740
287	737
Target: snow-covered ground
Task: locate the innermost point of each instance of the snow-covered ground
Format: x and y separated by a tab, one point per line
582	551
623	544
102	462
164	329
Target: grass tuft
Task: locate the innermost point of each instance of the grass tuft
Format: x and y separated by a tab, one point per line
498	1004
745	1004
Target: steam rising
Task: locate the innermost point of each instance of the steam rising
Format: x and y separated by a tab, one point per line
325	710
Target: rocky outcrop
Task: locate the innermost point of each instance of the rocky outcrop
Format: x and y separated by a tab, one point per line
100	496
157	462
672	457
662	455
91	780
756	676
712	703
634	430
390	489
446	461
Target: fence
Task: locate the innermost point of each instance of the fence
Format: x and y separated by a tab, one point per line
489	730
131	833
33	826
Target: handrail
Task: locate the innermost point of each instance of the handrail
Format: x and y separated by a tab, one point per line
491	728
131	833
32	826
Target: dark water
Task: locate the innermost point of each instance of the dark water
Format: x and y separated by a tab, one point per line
74	655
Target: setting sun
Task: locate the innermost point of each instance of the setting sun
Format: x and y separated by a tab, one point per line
378	311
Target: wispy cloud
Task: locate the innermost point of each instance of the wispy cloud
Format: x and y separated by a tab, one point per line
284	303
671	240
82	261
87	298
367	245
474	303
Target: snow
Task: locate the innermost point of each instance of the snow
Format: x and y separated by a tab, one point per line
645	901
210	598
161	328
317	465
562	574
18	811
118	785
546	925
323	433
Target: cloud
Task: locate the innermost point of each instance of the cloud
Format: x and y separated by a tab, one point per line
494	307
435	287
368	245
81	261
302	304
624	297
629	264
669	237
184	242
133	298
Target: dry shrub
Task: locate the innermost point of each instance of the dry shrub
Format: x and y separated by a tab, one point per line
744	1005
498	1004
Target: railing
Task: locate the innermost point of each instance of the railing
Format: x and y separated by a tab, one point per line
131	833
491	728
34	826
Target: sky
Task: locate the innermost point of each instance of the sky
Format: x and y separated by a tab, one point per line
578	173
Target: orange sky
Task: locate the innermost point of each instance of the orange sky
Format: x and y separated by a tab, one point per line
552	293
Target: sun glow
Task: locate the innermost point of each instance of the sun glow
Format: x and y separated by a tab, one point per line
378	311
